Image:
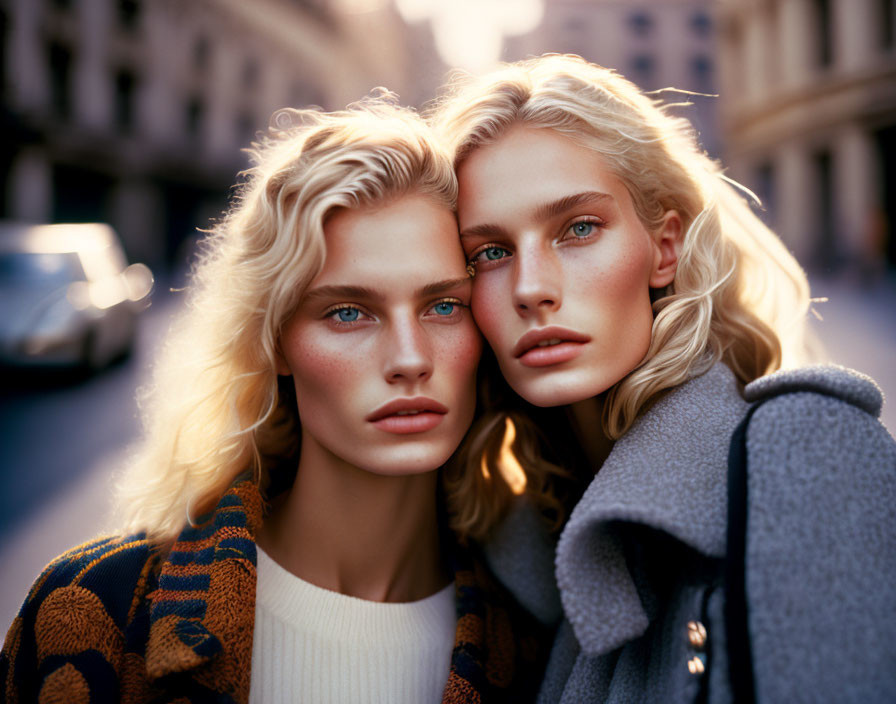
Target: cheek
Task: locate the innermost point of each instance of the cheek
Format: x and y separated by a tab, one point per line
461	348
317	367
489	305
620	293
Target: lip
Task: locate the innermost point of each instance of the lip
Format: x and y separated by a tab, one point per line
530	354
429	413
528	343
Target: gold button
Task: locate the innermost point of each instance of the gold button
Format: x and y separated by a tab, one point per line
696	666
696	634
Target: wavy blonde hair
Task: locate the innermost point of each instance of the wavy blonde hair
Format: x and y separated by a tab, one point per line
738	295
216	407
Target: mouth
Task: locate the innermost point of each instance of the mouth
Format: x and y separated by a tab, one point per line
548	346
405	416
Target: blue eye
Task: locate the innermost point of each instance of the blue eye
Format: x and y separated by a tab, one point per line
347	315
582	229
493	253
444	308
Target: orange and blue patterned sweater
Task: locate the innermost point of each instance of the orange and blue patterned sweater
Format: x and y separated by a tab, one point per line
121	619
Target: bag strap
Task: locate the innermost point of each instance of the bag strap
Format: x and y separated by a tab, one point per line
737	628
737	631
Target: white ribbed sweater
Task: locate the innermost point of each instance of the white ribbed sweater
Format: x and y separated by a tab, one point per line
314	645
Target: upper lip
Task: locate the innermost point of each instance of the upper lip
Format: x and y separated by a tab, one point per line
553	332
418	403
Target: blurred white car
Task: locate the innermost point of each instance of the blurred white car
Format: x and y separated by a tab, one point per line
67	295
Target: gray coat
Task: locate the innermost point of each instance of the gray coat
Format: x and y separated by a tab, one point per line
639	563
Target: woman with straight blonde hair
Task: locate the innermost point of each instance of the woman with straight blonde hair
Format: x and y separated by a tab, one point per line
729	519
296	528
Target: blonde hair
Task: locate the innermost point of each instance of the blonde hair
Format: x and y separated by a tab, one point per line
216	408
738	295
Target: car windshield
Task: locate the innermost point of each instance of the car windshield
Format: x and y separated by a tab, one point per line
38	268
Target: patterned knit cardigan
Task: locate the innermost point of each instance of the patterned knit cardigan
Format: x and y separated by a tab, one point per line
119	619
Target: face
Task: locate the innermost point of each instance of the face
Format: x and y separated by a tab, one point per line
383	349
563	264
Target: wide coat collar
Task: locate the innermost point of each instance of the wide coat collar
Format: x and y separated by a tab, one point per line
202	614
668	472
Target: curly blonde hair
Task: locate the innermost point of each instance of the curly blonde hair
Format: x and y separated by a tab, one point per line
216	408
738	295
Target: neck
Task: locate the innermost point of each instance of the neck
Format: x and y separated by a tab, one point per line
351	531
585	418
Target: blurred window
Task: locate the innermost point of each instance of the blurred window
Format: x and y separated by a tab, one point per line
884	238
765	191
641	23
886	19
201	53
60	62
824	48
826	243
251	71
642	67
125	96
245	127
701	24
129	14
701	69
195	110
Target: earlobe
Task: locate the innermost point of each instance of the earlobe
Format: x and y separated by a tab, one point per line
667	242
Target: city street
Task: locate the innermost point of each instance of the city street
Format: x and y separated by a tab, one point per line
63	447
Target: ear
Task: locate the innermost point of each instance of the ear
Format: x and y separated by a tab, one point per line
667	242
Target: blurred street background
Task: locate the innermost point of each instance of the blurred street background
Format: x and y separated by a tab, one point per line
135	113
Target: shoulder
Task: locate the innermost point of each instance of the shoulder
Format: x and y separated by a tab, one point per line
829	380
82	603
822	416
109	568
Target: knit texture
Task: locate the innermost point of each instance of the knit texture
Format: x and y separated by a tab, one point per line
315	645
120	619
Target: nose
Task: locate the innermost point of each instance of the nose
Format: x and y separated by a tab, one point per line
409	353
537	283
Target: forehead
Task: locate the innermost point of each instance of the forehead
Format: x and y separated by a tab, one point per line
528	165
409	242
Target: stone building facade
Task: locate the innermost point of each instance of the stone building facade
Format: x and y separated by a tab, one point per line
808	115
134	112
658	44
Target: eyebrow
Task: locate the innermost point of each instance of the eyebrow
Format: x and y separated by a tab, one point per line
561	205
365	293
545	211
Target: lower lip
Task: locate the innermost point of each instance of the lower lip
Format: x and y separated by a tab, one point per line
554	354
405	425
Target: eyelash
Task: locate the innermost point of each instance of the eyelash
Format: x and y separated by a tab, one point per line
332	313
454	313
595	222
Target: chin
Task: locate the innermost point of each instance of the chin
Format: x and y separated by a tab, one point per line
551	390
407	461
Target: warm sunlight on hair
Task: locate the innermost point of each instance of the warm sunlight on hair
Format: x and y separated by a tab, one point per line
510	468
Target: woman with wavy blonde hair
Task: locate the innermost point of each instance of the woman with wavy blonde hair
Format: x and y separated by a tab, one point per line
297	528
636	307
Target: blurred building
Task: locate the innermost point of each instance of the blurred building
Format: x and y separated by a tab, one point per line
134	112
658	44
809	120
